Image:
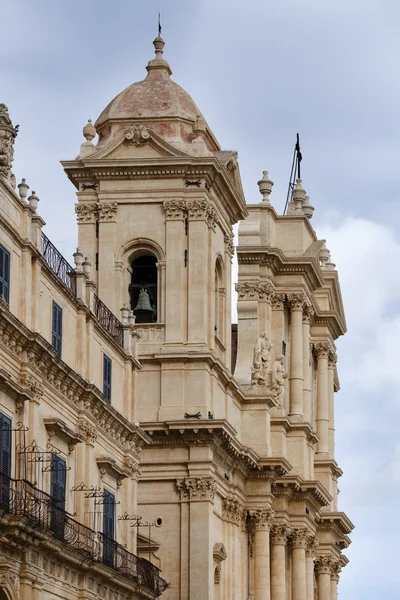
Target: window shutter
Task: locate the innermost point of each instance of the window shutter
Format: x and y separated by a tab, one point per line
56	338
5	460
5	274
58	480
107	376
108	527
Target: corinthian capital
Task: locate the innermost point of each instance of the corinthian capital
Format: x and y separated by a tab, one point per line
308	313
280	534
229	244
325	564
107	211
247	290
232	510
322	349
278	301
312	545
197	488
174	209
296	300
299	538
262	518
332	358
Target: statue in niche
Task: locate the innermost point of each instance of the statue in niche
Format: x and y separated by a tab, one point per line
261	369
278	376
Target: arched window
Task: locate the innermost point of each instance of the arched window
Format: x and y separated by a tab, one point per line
143	287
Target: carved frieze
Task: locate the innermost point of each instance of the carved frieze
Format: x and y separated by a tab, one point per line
197	488
33	386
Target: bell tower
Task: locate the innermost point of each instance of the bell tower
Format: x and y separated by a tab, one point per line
157	198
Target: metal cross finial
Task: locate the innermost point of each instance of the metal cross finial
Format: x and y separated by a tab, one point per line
298	155
297	158
159	25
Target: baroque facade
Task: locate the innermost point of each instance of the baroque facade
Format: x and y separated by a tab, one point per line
144	438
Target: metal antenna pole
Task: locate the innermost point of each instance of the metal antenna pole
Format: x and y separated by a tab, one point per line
159	24
295	170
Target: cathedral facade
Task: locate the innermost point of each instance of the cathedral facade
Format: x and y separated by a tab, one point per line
148	446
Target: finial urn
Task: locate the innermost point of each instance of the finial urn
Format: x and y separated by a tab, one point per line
265	187
23	188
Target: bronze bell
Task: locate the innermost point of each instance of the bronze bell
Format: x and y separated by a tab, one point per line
143	305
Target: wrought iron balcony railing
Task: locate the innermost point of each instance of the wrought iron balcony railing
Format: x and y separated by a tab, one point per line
108	321
58	265
20	498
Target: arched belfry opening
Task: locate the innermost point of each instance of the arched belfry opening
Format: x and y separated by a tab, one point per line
143	288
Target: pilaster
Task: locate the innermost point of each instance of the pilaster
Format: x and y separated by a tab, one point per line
296	376
279	537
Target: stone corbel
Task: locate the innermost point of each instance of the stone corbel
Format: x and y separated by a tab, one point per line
58	428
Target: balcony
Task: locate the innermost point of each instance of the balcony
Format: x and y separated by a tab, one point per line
37	510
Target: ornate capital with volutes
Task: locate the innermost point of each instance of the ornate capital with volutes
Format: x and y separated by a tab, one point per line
280	534
322	349
297	300
266	291
308	313
312	545
175	209
247	290
325	564
197	488
229	245
336	569
332	359
299	538
232	510
137	134
278	301
107	211
86	213
262	518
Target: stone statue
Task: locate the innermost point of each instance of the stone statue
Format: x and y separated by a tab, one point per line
8	133
278	377
261	369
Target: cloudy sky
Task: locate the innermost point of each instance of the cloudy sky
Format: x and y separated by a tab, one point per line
260	71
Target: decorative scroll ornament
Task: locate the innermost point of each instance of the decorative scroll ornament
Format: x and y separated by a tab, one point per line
197	488
278	301
280	534
261	518
332	359
322	349
325	564
261	368
198	209
308	313
247	291
85	212
8	133
107	211
137	134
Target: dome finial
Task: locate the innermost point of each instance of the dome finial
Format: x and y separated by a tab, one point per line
158	62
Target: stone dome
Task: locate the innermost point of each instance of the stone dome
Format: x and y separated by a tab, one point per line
160	104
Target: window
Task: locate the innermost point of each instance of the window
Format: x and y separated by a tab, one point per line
143	288
5	460
5	274
57	493
107	376
108	527
56	338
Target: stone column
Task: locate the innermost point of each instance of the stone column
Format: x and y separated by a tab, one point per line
335	576
332	359
107	231
175	280
323	567
279	536
307	397
312	545
261	519
296	303
299	541
322	421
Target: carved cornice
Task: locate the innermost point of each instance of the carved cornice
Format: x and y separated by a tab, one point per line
197	488
89	213
261	518
280	534
232	510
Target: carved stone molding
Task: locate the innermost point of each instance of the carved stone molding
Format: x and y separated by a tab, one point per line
336	568
261	518
137	134
12	339
296	301
232	510
332	359
197	488
312	545
229	243
322	349
8	579
280	534
175	209
299	538
266	291
198	209
325	564
33	386
88	432
132	468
